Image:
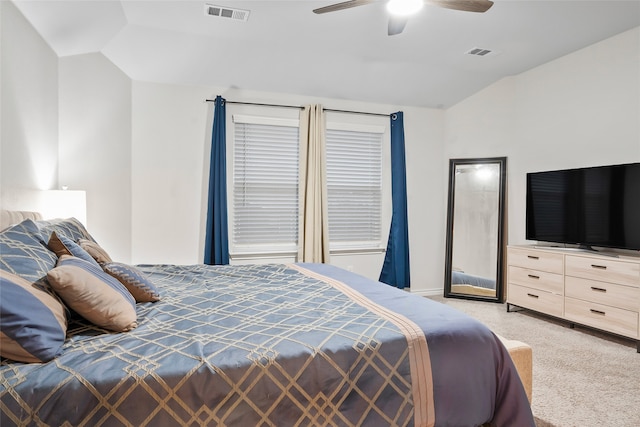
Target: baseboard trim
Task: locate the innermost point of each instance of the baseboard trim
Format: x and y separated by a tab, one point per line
428	292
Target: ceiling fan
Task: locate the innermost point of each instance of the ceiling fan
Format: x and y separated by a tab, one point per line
398	21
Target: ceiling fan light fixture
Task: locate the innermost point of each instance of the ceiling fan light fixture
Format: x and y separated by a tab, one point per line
404	7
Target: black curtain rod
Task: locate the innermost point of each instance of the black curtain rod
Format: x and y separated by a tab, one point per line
300	107
357	112
258	104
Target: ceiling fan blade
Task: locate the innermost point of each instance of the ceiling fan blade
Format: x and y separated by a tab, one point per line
342	6
397	24
479	6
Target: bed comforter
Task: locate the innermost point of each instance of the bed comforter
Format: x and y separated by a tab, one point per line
281	345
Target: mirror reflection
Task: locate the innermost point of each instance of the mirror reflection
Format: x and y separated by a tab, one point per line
475	223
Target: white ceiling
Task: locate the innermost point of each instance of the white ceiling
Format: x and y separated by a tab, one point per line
284	47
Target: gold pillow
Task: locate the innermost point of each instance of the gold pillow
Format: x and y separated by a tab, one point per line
93	294
95	250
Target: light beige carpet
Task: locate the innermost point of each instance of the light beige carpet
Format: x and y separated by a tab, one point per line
581	378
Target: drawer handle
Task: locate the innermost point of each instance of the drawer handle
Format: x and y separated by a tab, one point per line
600	267
601	313
593	288
533	257
533	296
533	276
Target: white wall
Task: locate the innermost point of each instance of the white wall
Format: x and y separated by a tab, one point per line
29	106
95	146
170	128
426	193
579	110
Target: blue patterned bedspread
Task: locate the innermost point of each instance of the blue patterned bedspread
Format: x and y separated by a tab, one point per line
271	345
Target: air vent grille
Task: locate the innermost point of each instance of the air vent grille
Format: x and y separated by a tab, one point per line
226	12
477	51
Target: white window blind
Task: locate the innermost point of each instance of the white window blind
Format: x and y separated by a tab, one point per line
354	187
265	185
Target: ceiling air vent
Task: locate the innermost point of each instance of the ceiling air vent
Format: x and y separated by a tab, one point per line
226	12
479	52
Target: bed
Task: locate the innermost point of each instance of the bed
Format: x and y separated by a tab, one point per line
281	345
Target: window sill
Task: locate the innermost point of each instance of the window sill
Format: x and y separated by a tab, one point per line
262	255
357	251
288	254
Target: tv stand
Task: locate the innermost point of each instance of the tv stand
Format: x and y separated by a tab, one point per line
590	249
584	288
581	248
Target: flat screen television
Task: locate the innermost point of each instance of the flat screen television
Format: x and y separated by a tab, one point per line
595	206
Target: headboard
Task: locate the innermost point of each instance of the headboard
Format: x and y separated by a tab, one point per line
8	218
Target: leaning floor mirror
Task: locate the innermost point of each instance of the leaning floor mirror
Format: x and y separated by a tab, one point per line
475	229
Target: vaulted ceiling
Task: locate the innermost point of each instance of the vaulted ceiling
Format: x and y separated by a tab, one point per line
284	47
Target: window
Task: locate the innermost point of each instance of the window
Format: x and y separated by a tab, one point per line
354	186
264	186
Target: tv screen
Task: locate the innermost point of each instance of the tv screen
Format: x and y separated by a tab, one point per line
596	206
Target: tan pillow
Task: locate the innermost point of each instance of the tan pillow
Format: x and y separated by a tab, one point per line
62	245
93	294
57	246
95	251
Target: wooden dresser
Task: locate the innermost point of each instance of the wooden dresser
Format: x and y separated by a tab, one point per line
595	290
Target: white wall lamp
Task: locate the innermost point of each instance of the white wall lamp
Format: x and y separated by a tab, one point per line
64	204
50	203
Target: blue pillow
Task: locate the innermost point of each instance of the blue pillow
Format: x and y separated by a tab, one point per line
33	321
24	253
67	227
62	245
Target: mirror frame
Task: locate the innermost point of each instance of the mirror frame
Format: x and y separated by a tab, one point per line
502	162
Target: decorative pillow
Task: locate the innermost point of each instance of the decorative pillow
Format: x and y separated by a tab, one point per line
33	321
64	246
95	250
24	253
93	294
142	289
67	227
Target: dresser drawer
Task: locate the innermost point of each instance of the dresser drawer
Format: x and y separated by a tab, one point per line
550	282
626	297
536	260
535	299
616	320
603	269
